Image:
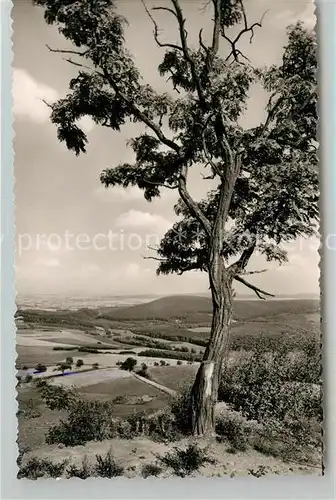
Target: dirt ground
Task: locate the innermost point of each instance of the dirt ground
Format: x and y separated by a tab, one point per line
133	454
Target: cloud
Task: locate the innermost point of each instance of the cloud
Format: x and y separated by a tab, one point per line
86	124
138	219
117	194
307	16
132	270
43	262
28	97
88	270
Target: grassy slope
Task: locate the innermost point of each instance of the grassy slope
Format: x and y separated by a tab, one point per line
190	310
198	309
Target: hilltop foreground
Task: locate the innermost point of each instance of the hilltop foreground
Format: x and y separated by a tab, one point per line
80	404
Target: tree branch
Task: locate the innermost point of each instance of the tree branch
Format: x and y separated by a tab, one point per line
246	273
160	185
234	51
191	204
141	115
258	291
188	58
73	52
156	28
239	266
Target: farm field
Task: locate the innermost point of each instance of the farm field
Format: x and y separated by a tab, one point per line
100	380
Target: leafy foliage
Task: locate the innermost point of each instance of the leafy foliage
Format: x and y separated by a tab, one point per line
275	195
129	364
186	461
36	468
107	466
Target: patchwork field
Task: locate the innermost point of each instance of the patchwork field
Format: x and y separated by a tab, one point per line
166	349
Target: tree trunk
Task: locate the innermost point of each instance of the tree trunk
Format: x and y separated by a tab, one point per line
205	389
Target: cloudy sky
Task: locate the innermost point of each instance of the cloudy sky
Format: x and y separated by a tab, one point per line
73	235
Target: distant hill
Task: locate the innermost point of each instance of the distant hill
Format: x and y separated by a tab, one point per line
198	309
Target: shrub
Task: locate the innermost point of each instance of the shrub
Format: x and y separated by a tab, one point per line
150	470
56	397
95	366
232	426
28	378
129	364
119	400
82	472
63	366
36	468
266	387
186	461
156	363
29	410
143	372
179	362
69	360
179	408
41	368
79	363
87	421
107	466
185	356
260	387
91	350
60	348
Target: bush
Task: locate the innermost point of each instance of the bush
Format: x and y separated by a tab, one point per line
185	356
87	421
63	366
261	387
91	350
95	366
129	364
60	348
56	397
232	426
35	468
143	372
186	461
79	363
150	470
82	472
69	360
28	378
268	387
30	409
179	408
107	466
179	362
41	368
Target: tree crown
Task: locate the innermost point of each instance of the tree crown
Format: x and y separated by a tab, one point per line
267	175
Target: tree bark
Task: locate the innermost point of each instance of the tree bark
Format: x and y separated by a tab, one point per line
205	389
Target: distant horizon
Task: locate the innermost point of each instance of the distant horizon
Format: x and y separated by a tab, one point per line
106	295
